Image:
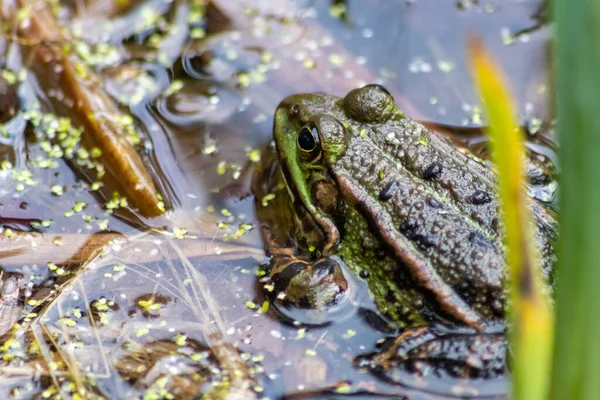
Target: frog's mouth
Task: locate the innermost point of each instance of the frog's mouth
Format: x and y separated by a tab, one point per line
298	187
315	225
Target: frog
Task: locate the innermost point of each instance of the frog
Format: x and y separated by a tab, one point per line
376	196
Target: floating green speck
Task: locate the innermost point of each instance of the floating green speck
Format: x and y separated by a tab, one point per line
264	308
79	206
344	389
243	79
57	190
309	63
210	148
181	340
336	59
253	155
197	33
445	66
266	57
349	333
267	198
142	331
338	10
222	225
179	233
9	77
68	322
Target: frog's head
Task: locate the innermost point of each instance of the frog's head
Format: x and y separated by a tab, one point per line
312	131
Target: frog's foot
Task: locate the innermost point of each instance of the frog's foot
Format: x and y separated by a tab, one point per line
457	363
312	292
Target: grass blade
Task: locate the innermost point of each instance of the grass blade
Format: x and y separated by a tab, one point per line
531	314
577	351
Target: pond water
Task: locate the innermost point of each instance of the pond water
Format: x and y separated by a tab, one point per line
109	293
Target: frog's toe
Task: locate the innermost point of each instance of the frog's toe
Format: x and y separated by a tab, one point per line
446	363
463	356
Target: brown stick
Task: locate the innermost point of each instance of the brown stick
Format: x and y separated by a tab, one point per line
107	8
92	106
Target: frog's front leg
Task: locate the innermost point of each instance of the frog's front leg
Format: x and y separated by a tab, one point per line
441	361
309	291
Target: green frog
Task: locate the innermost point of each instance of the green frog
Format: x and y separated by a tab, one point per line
405	210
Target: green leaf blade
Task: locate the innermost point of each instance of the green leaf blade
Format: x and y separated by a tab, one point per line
531	314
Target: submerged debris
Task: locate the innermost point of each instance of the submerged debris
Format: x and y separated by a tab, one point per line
59	69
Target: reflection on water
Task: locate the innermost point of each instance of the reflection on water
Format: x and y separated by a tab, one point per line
114	303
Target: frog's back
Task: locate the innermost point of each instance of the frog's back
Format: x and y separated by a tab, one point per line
428	205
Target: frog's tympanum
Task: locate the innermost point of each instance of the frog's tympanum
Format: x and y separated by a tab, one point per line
406	211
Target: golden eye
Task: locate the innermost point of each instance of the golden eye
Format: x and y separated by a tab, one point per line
307	138
308	143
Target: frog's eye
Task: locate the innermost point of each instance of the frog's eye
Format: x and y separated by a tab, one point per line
307	139
308	143
380	88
